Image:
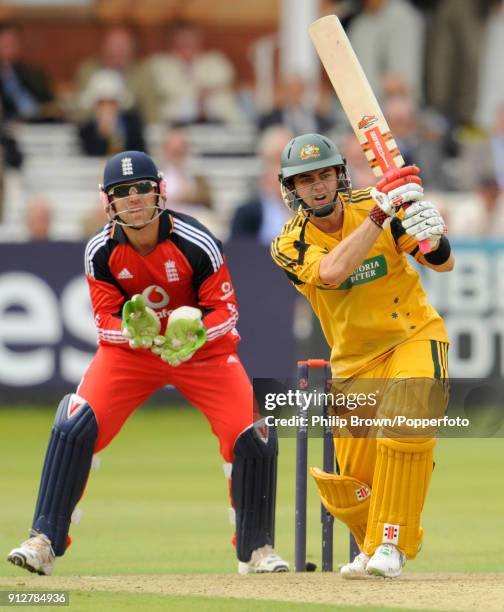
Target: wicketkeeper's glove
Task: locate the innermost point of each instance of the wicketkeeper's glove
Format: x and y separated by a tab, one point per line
139	323
185	334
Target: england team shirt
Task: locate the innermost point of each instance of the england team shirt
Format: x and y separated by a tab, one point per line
186	268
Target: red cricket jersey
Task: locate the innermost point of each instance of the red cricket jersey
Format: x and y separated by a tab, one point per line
187	268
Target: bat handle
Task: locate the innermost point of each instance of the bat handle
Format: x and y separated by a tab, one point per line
423	245
394	174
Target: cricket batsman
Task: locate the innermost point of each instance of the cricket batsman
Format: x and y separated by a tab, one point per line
345	251
165	314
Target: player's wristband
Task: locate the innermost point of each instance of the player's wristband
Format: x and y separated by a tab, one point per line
378	216
441	254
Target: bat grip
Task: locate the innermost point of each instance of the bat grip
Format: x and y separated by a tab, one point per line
423	245
397	174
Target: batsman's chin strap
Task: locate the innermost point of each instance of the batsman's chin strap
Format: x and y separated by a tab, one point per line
324	211
342	196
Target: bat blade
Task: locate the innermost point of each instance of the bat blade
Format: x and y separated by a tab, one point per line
357	98
355	94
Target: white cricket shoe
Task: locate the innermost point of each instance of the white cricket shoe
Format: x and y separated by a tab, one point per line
264	560
387	562
356	569
35	555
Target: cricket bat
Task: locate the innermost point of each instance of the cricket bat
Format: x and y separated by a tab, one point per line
357	98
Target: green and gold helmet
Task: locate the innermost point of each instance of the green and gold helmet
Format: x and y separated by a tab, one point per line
304	154
308	152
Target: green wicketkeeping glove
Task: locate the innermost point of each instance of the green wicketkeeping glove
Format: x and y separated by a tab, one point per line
185	334
139	323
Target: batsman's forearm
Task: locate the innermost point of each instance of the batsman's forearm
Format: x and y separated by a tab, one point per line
346	257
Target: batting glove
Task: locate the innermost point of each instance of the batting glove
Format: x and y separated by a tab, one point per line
402	185
423	221
185	334
139	323
397	188
384	209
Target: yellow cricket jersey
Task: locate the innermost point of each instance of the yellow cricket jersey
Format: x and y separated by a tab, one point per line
381	305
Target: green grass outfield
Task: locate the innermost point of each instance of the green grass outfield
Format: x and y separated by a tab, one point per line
158	505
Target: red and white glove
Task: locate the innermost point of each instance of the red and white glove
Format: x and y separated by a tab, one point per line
423	221
396	189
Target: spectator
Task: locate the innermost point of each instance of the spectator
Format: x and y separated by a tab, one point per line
11	156
118	53
184	190
94	220
264	215
113	124
491	197
491	82
192	85
453	56
388	38
497	145
296	109
38	219
419	137
357	164
479	214
25	92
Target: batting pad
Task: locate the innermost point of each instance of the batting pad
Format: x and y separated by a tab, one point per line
347	499
66	469
253	488
402	476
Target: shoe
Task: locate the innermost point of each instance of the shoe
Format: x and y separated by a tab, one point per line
356	570
263	561
35	555
387	562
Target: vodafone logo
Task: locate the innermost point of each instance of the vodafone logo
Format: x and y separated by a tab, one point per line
155	297
227	290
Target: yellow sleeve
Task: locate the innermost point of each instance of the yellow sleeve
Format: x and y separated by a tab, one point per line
301	261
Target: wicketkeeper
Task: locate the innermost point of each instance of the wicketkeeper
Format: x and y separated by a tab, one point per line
345	251
165	313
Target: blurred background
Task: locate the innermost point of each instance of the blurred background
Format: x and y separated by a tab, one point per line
213	91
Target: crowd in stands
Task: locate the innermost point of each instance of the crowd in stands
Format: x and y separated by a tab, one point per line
432	63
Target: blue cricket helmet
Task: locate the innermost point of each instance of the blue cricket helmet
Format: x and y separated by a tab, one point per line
129	166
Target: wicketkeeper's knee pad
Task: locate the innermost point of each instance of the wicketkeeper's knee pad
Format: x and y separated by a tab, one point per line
253	488
347	499
66	469
402	476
